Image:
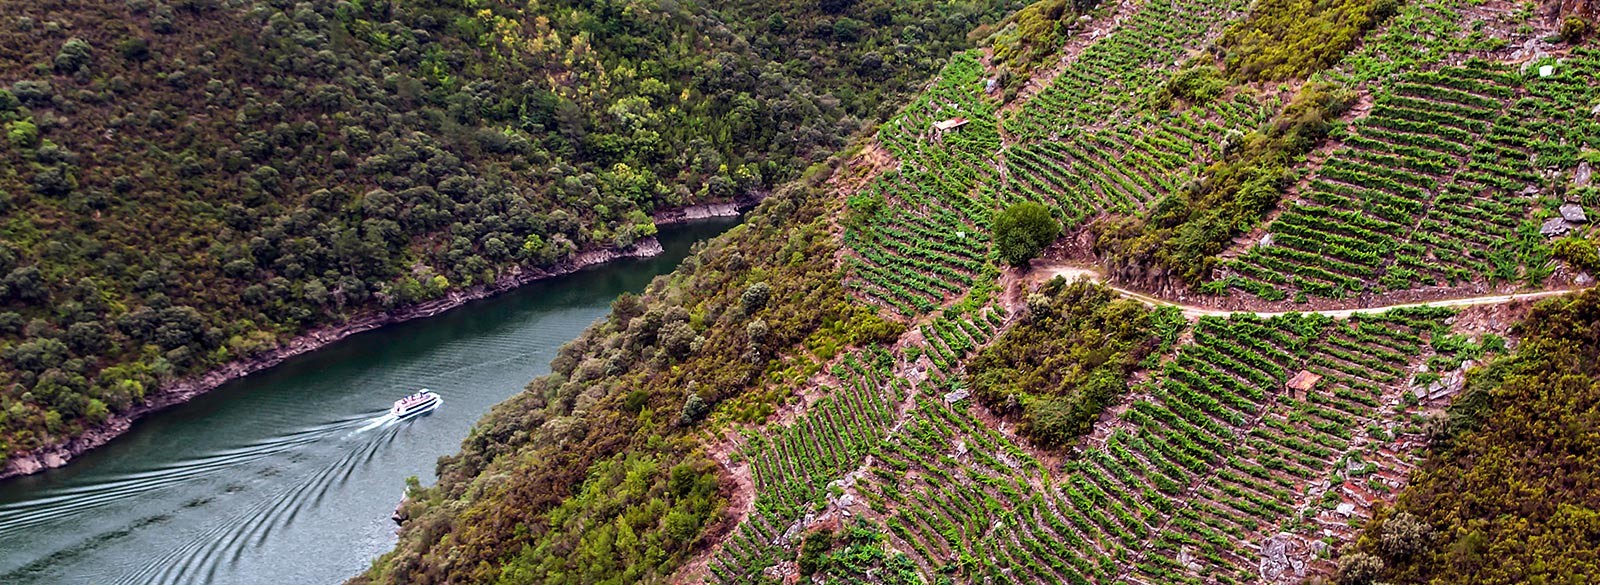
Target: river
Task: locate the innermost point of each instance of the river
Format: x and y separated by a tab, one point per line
290	475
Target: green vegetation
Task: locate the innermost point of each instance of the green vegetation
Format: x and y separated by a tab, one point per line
1285	39
1071	355
1431	186
1511	496
921	234
1186	229
849	347
1022	231
665	511
1203	462
859	555
191	183
495	502
1578	252
1030	37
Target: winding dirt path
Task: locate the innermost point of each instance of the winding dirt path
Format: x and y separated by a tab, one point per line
1068	272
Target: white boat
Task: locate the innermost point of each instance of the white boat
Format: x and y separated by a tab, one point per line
415	404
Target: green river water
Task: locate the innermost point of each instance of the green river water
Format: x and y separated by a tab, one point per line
290	475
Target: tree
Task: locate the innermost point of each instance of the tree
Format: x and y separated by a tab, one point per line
694	407
74	55
1023	230
23	134
755	297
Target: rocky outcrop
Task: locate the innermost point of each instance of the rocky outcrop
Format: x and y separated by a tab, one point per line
707	210
180	391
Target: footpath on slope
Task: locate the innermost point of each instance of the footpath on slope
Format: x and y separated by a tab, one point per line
1047	271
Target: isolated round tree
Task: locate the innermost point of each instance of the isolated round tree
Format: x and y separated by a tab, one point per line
1022	231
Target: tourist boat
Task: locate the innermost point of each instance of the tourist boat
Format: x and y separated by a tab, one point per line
415	404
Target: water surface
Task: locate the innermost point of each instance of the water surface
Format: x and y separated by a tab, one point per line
289	475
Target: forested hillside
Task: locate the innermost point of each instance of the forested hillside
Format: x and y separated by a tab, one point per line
189	183
1318	213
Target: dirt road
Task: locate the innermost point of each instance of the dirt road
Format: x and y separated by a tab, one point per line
1075	272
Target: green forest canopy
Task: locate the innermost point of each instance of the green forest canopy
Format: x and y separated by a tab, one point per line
189	183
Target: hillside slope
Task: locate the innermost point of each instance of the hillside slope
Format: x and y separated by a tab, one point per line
879	398
191	184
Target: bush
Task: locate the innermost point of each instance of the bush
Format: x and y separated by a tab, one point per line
1359	569
812	549
74	55
1023	230
1197	85
1574	28
694	408
23	134
1403	536
755	297
1578	252
1284	39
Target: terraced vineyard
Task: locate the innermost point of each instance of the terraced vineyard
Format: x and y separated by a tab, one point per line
1129	165
1104	84
795	466
1209	459
920	232
1088	143
1248	450
1436	186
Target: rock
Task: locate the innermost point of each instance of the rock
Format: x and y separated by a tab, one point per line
1187	560
1582	175
1278	560
956	395
54	459
1345	509
1266	241
399	516
1582	279
1573	212
1555	226
1547	70
23	466
1595	111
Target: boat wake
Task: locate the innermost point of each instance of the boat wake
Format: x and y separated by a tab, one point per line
202	557
68	502
199	559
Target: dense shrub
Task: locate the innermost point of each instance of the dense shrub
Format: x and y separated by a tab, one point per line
1023	230
1511	496
1284	39
1066	361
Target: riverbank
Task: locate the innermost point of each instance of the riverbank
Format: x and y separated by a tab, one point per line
184	390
